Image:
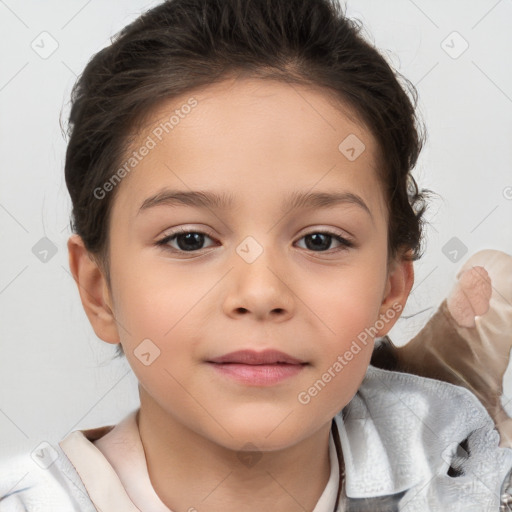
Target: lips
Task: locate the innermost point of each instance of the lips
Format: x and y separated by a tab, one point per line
251	357
257	369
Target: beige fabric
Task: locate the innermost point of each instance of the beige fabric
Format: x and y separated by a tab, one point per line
101	481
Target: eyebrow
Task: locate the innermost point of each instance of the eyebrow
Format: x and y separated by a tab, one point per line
223	201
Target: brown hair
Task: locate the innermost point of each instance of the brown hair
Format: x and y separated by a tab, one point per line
182	45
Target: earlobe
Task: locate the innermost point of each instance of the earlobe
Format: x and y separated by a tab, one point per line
93	290
398	286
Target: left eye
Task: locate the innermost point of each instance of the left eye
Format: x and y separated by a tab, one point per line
190	241
323	239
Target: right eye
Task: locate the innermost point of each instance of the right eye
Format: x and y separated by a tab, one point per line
187	240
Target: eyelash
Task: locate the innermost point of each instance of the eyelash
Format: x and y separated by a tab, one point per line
163	243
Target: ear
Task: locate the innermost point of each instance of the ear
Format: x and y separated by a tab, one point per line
398	286
93	289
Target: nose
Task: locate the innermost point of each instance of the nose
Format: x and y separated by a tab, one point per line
260	289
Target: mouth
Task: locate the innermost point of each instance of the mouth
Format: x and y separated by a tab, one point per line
258	368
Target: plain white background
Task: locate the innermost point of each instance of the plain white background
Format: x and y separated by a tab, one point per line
56	375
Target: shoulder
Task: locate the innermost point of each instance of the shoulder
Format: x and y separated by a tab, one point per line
417	393
432	440
41	481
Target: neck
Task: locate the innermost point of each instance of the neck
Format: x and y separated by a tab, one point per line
192	473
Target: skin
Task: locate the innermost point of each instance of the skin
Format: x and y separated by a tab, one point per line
306	301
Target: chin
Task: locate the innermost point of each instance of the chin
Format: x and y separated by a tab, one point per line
264	433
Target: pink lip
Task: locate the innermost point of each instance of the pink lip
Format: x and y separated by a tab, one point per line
257	368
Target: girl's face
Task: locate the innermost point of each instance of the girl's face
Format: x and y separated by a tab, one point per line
216	246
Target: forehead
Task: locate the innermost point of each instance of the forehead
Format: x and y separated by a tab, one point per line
256	111
265	134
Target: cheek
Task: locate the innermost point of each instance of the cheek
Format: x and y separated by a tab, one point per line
161	314
345	302
156	303
347	309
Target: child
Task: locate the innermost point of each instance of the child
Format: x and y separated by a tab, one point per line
274	135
